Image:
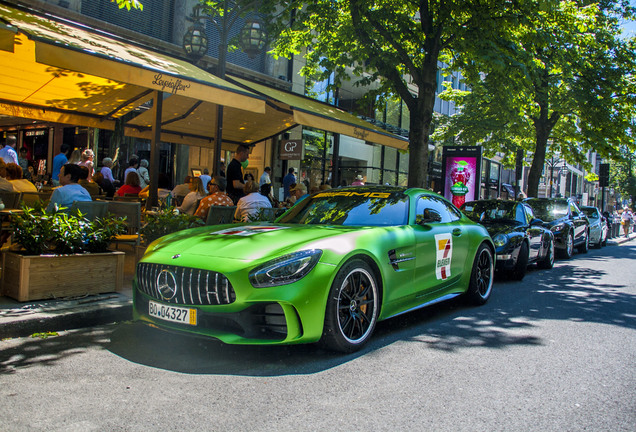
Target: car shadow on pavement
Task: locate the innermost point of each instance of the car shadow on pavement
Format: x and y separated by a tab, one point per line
513	316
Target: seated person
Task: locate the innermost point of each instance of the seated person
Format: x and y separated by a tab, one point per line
14	175
297	192
5	185
106	185
131	185
69	189
91	187
191	200
250	204
217	197
182	189
266	191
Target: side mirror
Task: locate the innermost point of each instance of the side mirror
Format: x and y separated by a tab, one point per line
429	216
536	222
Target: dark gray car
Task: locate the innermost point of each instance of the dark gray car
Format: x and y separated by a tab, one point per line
567	222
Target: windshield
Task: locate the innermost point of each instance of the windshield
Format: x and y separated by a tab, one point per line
351	208
482	211
547	210
591	212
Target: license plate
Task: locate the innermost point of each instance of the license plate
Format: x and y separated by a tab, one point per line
172	313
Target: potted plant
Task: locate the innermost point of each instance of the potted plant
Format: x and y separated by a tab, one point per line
166	221
57	254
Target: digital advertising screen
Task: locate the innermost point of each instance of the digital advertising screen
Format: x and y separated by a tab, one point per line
461	168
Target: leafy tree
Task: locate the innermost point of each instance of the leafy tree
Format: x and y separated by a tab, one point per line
622	177
557	80
135	4
397	44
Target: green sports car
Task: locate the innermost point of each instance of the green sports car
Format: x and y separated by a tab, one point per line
327	270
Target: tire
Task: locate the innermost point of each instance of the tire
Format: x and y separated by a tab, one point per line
548	261
522	263
481	276
586	244
352	308
568	252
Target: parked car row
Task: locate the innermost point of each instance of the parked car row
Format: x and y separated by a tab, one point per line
520	238
532	231
341	260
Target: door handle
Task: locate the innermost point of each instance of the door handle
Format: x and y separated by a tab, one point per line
457	232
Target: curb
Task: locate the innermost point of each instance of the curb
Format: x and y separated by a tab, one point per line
64	315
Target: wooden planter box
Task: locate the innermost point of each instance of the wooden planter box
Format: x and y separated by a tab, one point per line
38	277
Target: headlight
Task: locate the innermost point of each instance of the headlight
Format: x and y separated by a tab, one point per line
500	240
285	270
557	228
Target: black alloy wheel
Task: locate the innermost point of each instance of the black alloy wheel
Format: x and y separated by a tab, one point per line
548	260
522	262
482	276
583	248
568	252
352	308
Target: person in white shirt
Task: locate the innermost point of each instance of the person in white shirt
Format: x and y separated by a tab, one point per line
133	163
205	179
182	189
250	204
87	161
626	220
142	171
106	170
8	153
265	177
191	200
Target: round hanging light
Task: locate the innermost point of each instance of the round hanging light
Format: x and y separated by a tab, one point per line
253	37
195	41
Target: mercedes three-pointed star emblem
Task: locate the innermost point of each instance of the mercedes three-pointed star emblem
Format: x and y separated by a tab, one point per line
167	284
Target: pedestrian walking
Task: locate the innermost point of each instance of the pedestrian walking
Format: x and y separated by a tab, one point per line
626	220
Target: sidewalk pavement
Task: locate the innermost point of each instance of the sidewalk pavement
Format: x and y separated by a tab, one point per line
19	319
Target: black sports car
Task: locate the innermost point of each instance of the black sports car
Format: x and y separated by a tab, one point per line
519	237
566	221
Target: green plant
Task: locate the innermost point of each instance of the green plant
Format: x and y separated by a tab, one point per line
167	221
40	232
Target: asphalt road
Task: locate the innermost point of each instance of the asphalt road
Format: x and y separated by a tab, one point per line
556	352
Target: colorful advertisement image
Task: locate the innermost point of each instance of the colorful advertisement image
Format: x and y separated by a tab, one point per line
461	181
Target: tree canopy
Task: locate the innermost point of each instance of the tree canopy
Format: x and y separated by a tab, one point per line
557	80
397	45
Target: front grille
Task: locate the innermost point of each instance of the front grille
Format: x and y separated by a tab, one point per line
193	286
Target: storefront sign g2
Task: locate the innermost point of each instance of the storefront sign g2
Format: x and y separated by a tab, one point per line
291	149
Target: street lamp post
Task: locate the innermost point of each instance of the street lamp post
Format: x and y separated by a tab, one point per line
195	44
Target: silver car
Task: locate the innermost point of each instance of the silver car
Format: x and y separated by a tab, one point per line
598	226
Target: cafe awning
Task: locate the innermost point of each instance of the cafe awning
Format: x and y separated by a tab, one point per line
59	71
189	121
63	72
319	115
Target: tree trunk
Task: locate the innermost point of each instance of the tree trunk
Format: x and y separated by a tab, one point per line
538	160
543	125
418	150
421	111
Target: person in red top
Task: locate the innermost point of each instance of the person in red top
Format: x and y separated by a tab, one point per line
217	197
131	186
